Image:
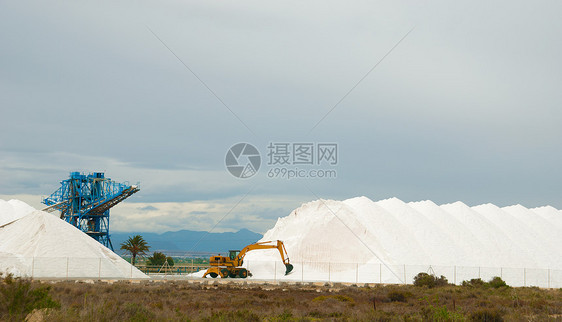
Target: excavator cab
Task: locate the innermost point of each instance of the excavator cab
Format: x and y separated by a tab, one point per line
233	253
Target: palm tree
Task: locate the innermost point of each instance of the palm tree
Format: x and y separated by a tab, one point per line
135	245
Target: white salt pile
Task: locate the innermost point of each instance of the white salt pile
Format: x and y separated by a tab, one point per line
38	244
392	240
13	210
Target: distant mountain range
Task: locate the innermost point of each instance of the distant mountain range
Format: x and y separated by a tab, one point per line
191	241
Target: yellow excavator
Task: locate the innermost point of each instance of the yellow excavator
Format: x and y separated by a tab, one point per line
231	266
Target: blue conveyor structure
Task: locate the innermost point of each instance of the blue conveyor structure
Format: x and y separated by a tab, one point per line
84	201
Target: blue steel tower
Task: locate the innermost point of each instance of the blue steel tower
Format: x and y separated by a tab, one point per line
84	201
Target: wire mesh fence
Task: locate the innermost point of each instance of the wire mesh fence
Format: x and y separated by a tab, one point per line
402	274
172	270
69	268
105	268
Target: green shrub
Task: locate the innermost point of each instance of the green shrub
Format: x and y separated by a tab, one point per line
137	312
475	282
487	315
240	315
440	313
441	281
341	298
320	298
436	312
424	279
315	314
397	296
497	282
18	297
286	315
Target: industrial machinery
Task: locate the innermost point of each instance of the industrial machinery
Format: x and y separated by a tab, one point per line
84	201
231	266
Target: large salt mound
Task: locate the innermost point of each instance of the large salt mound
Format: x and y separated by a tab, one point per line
13	210
39	244
358	235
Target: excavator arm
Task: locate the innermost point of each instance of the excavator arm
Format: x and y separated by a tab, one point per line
267	245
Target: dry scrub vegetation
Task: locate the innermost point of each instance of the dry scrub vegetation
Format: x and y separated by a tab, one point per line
189	300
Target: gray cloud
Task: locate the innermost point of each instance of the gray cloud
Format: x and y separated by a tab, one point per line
198	212
147	208
466	108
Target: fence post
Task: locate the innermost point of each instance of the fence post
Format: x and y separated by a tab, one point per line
67	267
356	273
404	273
455	278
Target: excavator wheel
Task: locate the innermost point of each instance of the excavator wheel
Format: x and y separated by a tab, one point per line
243	273
224	272
213	275
232	275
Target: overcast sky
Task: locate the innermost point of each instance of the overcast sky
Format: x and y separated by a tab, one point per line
466	107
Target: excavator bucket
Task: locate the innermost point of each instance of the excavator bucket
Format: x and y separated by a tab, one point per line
288	268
